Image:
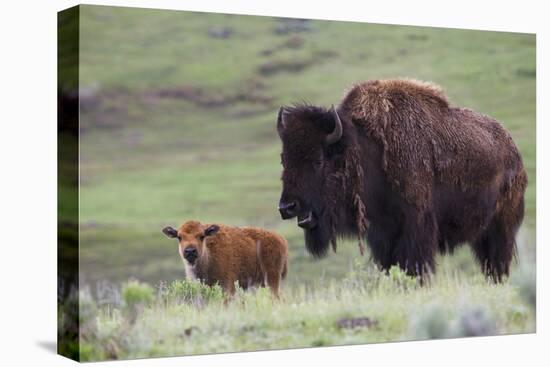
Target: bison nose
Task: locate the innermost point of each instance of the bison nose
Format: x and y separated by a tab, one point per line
190	254
289	209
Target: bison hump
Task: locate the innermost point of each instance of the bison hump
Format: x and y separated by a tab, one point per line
424	140
375	98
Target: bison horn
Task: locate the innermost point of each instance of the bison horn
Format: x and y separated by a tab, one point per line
281	119
336	134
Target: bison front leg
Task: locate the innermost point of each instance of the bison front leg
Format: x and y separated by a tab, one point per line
415	248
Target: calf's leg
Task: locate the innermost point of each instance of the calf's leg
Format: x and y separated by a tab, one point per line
273	278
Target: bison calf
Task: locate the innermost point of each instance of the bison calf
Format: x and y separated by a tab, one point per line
221	254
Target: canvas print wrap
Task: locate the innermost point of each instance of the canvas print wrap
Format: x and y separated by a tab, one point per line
232	183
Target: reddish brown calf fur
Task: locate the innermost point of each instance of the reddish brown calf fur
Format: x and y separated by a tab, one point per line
225	255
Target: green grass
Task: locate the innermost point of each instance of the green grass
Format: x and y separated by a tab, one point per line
188	318
148	161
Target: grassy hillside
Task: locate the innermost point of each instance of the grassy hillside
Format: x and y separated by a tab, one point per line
178	117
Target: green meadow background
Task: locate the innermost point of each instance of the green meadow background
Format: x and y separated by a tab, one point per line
177	122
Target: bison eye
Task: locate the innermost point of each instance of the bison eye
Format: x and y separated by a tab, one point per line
318	164
201	237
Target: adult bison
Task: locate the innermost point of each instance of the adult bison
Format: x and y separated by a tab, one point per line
397	164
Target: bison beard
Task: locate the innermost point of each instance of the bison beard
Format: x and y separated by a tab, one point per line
317	239
409	172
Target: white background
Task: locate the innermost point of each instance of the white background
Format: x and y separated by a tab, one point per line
28	182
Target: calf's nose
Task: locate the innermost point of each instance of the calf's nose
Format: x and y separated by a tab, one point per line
190	253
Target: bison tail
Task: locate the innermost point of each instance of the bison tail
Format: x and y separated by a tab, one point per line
259	257
285	270
262	265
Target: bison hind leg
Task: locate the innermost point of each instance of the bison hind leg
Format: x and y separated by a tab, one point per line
494	252
273	280
496	247
272	266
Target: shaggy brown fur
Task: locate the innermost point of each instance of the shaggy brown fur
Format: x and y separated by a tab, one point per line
225	255
411	172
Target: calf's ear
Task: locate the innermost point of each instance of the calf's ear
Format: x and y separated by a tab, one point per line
211	230
170	232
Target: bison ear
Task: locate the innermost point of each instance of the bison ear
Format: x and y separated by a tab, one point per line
170	232
211	230
281	120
